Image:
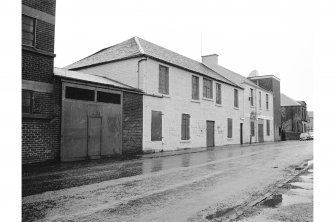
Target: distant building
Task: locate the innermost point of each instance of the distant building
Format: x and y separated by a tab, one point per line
40	97
310	121
294	117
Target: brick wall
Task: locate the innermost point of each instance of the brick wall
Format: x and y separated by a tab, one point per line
41	137
47	6
132	125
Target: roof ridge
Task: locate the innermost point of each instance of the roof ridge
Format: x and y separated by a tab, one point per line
139	44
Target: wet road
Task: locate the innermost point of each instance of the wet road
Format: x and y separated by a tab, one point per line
174	188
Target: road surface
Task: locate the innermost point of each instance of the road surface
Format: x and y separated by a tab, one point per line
187	187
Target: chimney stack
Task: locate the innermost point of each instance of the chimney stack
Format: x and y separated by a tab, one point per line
210	59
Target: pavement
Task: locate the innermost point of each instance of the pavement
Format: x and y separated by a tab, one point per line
190	186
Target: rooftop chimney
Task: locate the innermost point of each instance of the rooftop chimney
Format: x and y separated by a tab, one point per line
210	59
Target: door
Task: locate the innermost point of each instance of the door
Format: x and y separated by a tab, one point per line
210	133
241	133
260	133
94	137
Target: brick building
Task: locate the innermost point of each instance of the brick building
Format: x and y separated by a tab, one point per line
294	117
40	93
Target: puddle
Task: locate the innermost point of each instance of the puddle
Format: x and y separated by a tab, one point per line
273	201
220	213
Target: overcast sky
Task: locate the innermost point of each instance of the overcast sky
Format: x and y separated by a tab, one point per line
273	37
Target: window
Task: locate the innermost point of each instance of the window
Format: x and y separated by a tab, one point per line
230	128
79	94
195	87
156	125
252	128
268	127
107	97
28	30
260	99
251	97
218	93
267	101
236	98
163	79
208	88
185	126
27	101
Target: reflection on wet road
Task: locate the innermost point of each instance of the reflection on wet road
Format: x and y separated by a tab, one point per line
176	188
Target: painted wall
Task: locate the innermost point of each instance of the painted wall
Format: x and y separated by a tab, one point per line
180	101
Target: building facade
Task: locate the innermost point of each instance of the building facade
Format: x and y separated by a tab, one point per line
310	121
294	117
257	108
185	104
40	93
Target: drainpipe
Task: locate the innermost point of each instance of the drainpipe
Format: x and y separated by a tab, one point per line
138	73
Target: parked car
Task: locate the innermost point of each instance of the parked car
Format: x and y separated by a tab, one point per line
304	136
311	135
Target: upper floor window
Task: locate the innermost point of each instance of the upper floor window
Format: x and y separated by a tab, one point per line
195	87
260	100
208	88
218	93
251	97
28	30
27	101
236	98
267	101
163	79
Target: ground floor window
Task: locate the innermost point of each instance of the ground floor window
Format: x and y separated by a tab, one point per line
185	126
156	125
252	128
230	127
268	127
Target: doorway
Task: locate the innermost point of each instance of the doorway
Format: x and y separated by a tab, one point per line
260	133
210	133
94	137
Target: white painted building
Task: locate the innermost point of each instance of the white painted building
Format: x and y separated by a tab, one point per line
185	103
257	103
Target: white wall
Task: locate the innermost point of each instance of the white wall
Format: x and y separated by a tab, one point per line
180	101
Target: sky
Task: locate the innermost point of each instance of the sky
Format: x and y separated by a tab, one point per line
272	37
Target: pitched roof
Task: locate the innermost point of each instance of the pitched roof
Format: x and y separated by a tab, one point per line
287	101
232	76
136	47
90	78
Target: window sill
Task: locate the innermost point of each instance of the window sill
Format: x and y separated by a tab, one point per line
35	50
219	105
36	116
208	99
195	101
185	141
236	108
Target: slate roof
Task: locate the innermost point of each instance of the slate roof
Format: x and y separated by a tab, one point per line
136	47
287	101
90	78
232	76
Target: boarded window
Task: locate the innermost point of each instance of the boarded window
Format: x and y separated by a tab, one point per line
260	100
230	128
156	125
27	101
268	127
107	97
185	126
28	30
267	101
79	94
236	98
208	88
252	128
251	97
163	79
195	87
218	93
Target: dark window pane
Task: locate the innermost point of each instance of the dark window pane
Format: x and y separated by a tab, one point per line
268	127
195	87
156	125
107	97
28	30
252	128
185	127
218	93
207	88
79	93
235	98
27	101
163	80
